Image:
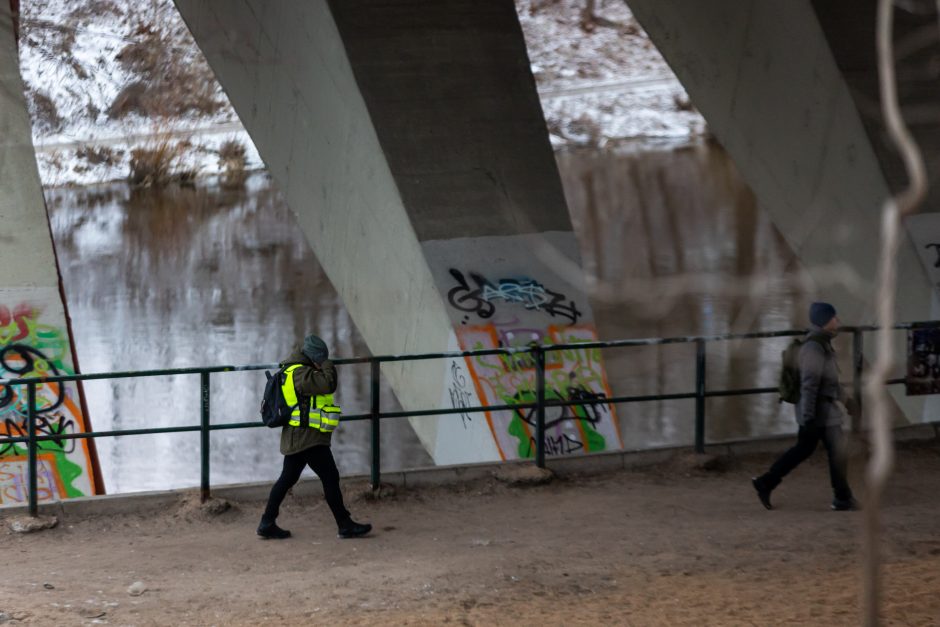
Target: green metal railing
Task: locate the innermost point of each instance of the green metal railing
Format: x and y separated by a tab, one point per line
375	415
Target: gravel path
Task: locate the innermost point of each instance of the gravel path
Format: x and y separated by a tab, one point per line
666	545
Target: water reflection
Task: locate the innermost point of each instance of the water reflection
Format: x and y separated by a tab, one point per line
677	237
187	277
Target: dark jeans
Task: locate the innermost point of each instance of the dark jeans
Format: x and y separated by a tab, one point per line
320	460
807	439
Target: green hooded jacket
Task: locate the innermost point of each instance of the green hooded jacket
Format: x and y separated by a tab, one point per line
309	380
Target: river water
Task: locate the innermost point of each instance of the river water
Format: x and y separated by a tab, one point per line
205	276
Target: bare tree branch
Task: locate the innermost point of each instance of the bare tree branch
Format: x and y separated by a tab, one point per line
895	207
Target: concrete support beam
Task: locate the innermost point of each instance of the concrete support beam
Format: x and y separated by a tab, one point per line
286	71
451	95
763	75
34	333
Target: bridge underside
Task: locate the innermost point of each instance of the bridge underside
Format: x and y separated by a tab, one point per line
409	140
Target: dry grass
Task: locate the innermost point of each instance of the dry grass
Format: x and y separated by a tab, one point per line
169	82
233	160
97	155
158	163
93	8
43	113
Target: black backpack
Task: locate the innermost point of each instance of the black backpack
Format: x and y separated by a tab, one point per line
275	412
790	384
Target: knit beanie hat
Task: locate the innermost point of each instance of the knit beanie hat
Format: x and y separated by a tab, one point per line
315	349
821	313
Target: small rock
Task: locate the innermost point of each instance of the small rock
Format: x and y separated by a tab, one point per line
48	586
5	618
524	474
480	543
136	589
90	612
28	524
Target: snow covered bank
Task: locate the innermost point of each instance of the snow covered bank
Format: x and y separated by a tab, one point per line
110	79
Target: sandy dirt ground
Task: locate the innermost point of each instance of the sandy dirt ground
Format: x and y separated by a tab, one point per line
665	545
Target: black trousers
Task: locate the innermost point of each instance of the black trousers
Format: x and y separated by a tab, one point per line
807	440
320	460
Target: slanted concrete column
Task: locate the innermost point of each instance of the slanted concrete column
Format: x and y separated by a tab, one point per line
409	140
763	75
34	333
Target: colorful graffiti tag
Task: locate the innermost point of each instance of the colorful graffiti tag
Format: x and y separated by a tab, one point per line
573	374
29	348
481	299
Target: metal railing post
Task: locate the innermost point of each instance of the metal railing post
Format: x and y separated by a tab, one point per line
857	363
204	438
539	407
699	396
31	447
376	425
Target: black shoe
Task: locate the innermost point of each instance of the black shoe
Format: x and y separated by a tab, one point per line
354	529
845	505
272	532
762	492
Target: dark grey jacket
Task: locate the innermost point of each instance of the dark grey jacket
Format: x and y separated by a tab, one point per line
819	383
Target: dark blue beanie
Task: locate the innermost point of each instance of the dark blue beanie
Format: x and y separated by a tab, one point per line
315	349
821	313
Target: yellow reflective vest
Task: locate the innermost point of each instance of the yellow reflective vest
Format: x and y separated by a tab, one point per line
322	415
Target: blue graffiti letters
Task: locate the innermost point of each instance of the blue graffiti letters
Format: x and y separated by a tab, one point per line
526	292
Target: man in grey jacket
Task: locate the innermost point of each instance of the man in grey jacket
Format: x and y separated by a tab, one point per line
819	412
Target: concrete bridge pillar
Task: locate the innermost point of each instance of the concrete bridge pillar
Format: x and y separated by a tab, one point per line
763	75
409	140
34	331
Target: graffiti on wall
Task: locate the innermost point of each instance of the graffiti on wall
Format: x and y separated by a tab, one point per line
459	390
514	291
30	348
483	295
572	374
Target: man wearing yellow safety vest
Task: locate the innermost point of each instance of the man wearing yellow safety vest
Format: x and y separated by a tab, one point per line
309	383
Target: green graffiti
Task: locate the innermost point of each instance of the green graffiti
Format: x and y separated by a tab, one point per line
593	440
39	350
517	430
